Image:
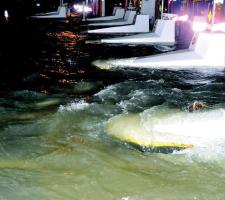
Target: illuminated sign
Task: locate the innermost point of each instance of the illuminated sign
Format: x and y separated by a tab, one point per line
194	1
219	1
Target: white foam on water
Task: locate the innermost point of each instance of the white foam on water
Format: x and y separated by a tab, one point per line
110	90
80	105
205	130
197	128
108	64
210	153
125	198
124	105
137	93
133	97
205	124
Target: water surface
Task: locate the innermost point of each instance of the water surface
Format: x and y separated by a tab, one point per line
55	106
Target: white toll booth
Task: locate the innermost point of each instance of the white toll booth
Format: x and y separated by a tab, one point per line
163	34
148	8
206	51
118	13
127	19
61	12
140	24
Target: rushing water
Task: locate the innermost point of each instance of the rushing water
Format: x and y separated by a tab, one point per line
55	111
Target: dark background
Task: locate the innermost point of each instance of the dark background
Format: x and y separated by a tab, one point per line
22	8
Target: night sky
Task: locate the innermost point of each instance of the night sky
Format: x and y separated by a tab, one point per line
21	8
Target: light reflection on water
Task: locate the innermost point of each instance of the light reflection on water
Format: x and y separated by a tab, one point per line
54	144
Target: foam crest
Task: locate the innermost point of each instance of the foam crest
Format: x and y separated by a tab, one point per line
206	124
162	126
80	105
108	64
109	91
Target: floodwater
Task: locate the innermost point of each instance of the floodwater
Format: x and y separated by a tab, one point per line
56	111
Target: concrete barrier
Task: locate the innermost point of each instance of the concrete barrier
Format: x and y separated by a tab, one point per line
164	33
60	13
206	51
141	25
128	19
119	14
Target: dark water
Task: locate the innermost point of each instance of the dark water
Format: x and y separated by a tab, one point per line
57	112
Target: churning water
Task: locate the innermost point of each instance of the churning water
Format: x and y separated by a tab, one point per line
57	113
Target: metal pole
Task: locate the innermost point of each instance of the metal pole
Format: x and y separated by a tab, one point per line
126	4
83	11
86	3
103	7
213	12
162	9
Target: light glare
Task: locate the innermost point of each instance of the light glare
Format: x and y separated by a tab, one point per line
183	18
6	14
79	8
219	27
199	26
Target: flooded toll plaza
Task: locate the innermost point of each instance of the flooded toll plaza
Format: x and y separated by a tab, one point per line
116	100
